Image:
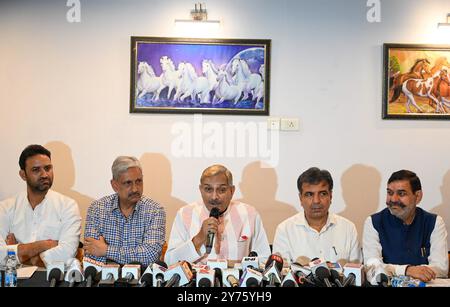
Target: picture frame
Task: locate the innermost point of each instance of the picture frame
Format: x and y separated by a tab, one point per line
416	81
194	75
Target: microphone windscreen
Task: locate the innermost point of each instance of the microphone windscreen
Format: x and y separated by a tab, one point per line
252	282
334	275
322	273
253	254
55	274
90	271
147	278
161	263
204	282
214	212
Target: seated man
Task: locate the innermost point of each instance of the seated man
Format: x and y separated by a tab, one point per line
238	229
405	239
41	225
316	232
126	226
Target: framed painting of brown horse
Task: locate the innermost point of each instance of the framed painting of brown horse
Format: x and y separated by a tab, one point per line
416	83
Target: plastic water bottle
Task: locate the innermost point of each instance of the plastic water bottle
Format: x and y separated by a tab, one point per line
10	270
407	282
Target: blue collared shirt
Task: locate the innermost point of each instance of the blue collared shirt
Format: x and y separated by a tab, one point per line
136	238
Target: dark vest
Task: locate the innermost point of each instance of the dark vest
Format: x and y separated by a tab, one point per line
404	244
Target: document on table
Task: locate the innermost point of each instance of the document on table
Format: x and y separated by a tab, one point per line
439	282
26	272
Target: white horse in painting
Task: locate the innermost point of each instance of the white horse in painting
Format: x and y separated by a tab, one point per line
259	91
188	78
147	82
169	76
242	75
225	89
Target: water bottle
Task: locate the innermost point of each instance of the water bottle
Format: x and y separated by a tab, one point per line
11	271
407	282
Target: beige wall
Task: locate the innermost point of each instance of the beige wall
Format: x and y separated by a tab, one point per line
66	85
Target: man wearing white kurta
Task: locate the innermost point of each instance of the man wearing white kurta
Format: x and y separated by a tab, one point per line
238	229
41	225
316	232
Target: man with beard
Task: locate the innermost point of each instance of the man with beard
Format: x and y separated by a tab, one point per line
126	226
316	232
238	229
405	239
41	225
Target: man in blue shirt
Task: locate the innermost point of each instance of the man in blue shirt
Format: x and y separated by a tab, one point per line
126	226
405	239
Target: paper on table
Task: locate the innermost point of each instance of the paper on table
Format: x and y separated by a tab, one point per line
26	272
439	282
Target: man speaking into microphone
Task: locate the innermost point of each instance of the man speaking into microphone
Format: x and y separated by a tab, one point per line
217	227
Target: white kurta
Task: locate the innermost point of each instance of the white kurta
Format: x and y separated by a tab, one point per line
57	217
240	231
337	241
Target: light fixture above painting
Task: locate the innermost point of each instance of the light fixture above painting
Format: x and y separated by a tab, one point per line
445	24
199	15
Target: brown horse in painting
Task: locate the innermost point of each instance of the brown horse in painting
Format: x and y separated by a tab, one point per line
429	88
418	71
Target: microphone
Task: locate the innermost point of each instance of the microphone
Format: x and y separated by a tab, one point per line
251	278
316	263
376	274
90	272
74	273
210	238
159	271
147	278
354	274
230	278
110	273
336	278
253	254
178	274
55	273
205	278
250	261
130	274
289	280
323	274
274	265
218	278
303	275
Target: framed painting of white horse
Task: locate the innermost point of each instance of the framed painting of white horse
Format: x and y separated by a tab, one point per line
416	82
187	75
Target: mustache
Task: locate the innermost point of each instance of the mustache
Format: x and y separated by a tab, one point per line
395	203
214	202
134	194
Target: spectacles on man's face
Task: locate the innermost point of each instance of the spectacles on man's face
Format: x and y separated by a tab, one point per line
221	190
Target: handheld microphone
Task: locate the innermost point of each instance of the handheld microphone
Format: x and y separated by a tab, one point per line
336	278
289	280
147	278
110	273
159	271
251	278
218	278
89	273
376	274
55	273
274	265
205	278
210	238
178	274
323	275
354	274
230	278
316	263
74	273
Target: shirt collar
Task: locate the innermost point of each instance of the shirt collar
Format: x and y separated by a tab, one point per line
301	220
115	204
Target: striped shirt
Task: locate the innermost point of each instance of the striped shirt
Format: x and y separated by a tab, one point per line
240	231
136	238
